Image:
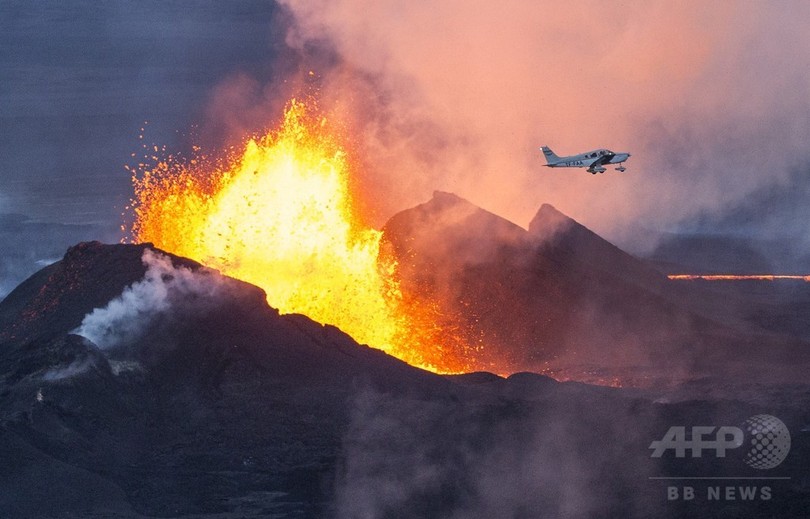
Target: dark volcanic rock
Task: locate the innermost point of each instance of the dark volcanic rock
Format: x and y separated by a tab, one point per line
212	400
560	299
576	247
55	299
217	406
528	297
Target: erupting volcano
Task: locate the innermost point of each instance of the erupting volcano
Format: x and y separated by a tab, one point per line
283	216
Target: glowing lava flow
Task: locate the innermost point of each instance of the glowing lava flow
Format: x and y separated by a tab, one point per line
281	216
736	277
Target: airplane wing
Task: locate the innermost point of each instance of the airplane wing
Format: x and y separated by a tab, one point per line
599	163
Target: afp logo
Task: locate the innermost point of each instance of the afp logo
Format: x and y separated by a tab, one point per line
766	437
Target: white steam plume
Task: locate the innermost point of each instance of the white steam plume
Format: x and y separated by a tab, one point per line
126	317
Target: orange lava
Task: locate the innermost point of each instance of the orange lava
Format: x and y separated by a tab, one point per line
737	277
281	215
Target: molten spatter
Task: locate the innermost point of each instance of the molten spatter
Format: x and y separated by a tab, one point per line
281	216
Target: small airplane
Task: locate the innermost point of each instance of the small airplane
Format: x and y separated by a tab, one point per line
593	160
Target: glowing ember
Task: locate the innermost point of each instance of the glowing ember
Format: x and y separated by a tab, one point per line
735	277
281	216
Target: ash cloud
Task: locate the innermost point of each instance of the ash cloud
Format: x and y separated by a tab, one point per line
710	97
163	289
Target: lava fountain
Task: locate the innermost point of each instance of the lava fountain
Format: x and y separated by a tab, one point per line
281	215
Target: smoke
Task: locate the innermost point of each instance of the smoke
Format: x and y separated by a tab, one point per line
76	367
711	98
528	456
127	317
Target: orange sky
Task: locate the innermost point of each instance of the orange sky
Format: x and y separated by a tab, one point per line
711	98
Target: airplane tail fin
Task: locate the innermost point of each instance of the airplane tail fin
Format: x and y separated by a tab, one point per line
551	157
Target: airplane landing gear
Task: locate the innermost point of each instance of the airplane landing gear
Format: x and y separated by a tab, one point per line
621	169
